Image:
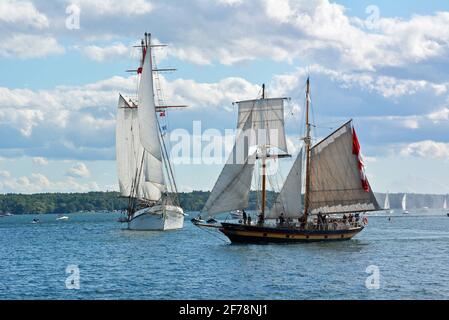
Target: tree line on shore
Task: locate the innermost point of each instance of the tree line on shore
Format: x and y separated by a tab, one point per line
61	203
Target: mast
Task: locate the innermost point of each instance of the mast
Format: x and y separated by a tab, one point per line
307	141
264	177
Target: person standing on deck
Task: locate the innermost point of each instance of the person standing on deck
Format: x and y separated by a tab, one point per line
245	216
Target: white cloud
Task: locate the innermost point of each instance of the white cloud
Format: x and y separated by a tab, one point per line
80	170
39	183
96	53
28	46
426	149
4	174
113	7
40	161
22	13
440	115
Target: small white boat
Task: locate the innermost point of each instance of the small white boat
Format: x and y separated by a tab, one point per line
35	221
236	214
62	218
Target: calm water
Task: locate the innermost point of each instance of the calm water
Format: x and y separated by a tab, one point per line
412	254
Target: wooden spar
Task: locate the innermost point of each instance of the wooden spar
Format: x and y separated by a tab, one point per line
155	70
170	107
307	141
264	177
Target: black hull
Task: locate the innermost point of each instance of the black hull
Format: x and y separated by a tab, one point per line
239	233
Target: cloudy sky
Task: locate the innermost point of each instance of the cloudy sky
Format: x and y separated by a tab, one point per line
383	63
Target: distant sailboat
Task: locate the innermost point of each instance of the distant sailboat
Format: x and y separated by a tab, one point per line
404	204
387	203
445	205
142	158
336	188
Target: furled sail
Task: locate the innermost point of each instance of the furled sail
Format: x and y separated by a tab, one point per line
267	122
231	191
337	180
149	134
387	202
289	200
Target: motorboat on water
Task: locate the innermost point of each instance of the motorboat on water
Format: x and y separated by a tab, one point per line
62	218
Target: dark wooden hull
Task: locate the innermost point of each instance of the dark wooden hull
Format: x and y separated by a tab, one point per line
239	233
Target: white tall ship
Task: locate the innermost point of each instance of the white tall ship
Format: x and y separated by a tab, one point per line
145	173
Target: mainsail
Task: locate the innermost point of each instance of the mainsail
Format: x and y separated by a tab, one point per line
289	201
337	181
149	133
445	203
267	122
231	191
387	202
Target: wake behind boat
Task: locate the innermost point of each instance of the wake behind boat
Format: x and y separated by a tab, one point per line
144	170
336	193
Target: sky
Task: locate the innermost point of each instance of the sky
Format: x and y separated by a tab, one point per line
384	64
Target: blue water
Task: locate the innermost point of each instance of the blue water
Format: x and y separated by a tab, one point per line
412	254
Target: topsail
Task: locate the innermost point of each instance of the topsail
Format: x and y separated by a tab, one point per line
267	122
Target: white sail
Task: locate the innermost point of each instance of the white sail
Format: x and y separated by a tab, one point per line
131	159
387	202
267	122
445	203
125	153
404	202
149	133
231	191
289	200
336	184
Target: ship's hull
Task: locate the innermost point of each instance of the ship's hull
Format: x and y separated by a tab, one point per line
239	233
157	218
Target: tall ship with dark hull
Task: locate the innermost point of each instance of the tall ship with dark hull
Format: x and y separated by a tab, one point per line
324	197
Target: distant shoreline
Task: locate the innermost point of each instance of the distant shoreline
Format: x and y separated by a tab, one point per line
66	203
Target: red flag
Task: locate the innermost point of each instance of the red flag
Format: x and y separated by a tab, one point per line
356	151
355	143
162	114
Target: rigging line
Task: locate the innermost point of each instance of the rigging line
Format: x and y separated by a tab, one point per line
161	100
213	235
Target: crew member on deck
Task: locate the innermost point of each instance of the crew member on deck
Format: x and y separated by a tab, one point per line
281	219
245	217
